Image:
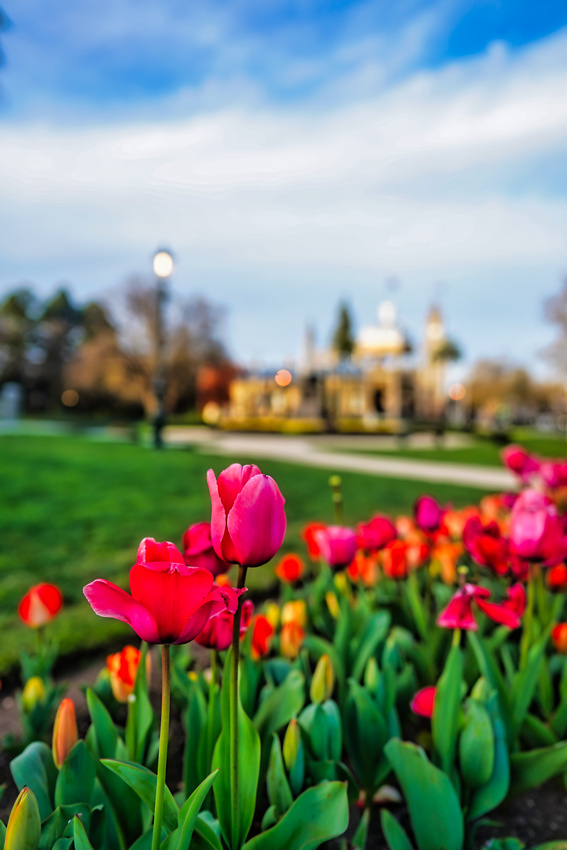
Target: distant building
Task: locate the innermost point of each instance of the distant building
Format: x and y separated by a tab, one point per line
379	389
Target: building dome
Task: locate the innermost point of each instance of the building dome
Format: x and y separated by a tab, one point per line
384	338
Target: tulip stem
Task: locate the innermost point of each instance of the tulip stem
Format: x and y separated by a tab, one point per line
163	741
527	632
211	713
234	703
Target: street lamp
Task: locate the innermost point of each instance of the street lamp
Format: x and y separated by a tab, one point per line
163	267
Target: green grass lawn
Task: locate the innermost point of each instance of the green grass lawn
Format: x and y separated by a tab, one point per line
74	510
484	452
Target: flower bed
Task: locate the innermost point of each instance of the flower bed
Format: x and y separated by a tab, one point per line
411	677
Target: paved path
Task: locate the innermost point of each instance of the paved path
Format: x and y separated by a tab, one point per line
310	452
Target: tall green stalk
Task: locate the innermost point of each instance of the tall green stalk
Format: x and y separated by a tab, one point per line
163	742
527	632
211	708
234	703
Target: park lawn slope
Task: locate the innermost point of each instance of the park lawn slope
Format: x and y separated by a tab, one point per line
74	510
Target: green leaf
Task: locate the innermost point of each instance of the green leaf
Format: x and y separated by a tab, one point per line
536	767
196	725
140	713
536	733
358	840
279	792
282	703
445	720
55	825
476	745
394	833
434	807
180	839
144	782
374	632
318	646
35	769
205	837
525	681
104	728
79	836
319	814
489	669
552	845
75	783
491	795
247	768
365	735
417	607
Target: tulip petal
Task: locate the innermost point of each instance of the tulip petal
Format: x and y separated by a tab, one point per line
172	597
256	523
220	538
423	701
199	619
108	600
499	613
458	613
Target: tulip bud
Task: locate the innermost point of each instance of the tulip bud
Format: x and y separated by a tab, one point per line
333	604
323	680
372	675
291	744
295	612
24	825
273	614
65	734
33	693
291	639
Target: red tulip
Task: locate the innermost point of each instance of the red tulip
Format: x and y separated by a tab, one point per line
217	634
337	545
428	514
198	549
459	615
170	602
423	702
262	634
40	605
290	568
559	637
557	577
515	599
520	462
487	545
536	530
395	559
374	535
248	519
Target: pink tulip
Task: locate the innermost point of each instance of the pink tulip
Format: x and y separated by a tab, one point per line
217	633
428	514
374	535
337	545
248	518
198	549
553	473
520	462
423	702
170	602
459	614
536	530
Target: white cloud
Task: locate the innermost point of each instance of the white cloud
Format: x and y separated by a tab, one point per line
413	181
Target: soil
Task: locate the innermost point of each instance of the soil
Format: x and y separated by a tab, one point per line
535	817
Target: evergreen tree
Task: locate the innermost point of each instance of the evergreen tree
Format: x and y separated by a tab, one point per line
343	340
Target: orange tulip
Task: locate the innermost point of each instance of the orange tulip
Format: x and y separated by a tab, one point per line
122	667
291	639
65	734
447	555
394	559
294	612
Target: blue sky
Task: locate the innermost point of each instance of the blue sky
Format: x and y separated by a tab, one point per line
292	154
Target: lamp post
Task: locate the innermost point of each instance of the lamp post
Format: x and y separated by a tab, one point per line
163	268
